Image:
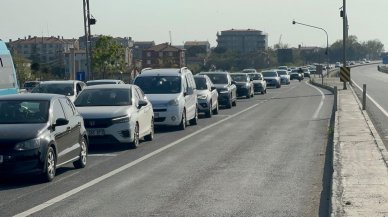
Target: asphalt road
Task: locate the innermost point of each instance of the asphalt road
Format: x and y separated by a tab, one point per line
377	103
265	157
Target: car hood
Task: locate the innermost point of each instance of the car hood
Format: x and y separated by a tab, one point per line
103	111
202	92
284	76
21	132
157	99
257	81
220	86
273	78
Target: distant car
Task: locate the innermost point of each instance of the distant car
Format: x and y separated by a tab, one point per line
116	113
29	85
284	76
272	78
306	72
227	90
207	95
69	88
244	84
296	74
259	84
39	133
249	71
337	64
173	95
104	81
283	68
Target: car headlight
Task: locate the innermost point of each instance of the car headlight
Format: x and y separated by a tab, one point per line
202	97
28	145
119	120
174	102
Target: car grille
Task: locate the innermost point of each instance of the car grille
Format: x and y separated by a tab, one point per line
108	139
159	119
98	123
7	146
160	110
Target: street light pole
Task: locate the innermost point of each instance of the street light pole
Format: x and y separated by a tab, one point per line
327	39
344	16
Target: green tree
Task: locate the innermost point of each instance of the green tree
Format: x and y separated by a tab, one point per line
108	56
22	67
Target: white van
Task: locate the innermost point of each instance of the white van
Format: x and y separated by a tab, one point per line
173	95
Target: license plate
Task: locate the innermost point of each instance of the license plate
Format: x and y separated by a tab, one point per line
156	114
96	132
1	159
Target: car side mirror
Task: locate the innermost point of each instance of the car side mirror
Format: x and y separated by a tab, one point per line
61	122
213	88
142	103
251	79
233	82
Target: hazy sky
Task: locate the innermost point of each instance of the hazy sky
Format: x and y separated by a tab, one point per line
146	20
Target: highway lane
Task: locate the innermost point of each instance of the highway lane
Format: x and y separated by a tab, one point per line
377	89
267	160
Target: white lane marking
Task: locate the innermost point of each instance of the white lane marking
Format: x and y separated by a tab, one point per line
373	100
315	116
120	169
102	155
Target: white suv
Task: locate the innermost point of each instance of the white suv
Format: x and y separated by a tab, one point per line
173	95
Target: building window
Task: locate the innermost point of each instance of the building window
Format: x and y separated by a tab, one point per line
170	54
148	54
160	54
148	62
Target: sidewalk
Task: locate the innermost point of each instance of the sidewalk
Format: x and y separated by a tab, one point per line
360	176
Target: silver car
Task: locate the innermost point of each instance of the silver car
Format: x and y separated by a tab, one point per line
69	88
116	113
284	76
272	78
259	84
207	95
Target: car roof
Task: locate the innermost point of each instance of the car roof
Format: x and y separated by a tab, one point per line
110	86
32	96
200	76
102	80
59	82
220	73
165	72
239	73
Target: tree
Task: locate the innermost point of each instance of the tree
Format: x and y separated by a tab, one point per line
108	56
23	70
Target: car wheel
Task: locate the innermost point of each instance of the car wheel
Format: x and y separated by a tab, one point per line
81	162
234	103
215	111
208	114
230	103
194	121
182	125
150	136
136	140
50	165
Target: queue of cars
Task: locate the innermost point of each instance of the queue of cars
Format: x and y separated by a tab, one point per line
55	123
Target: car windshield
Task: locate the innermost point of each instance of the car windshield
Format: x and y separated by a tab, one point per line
239	78
200	83
24	111
104	97
55	88
218	78
255	76
269	74
99	83
159	84
282	72
30	84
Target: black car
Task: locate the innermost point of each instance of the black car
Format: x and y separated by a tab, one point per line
227	90
39	133
244	84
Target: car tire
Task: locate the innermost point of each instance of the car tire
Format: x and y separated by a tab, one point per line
234	103
215	111
248	95
209	113
81	162
230	103
136	140
194	121
150	136
49	165
182	125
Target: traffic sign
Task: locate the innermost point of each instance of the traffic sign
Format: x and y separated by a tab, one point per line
385	60
345	74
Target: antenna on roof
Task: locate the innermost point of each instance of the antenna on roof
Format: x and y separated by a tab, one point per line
170	37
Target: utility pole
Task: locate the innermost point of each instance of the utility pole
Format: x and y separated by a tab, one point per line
88	37
345	28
